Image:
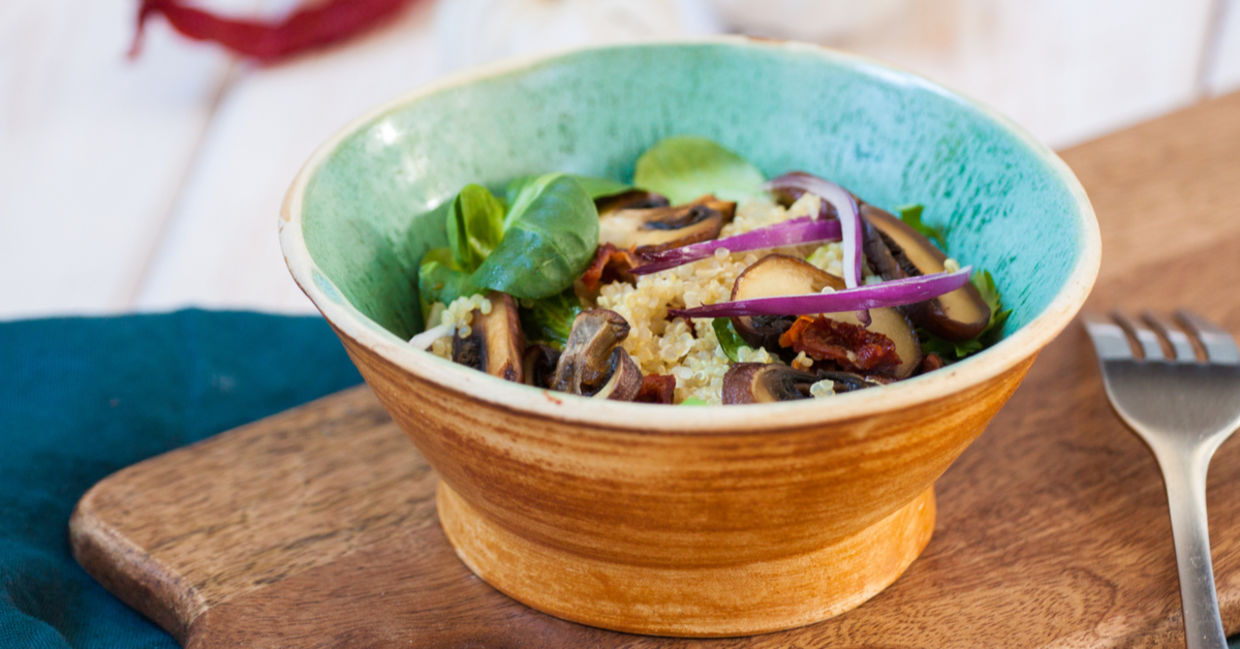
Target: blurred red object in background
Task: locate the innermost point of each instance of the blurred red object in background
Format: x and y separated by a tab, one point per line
314	25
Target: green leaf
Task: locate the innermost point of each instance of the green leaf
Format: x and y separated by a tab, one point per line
440	279
693	401
684	167
596	188
911	215
599	187
985	285
550	234
729	341
475	224
550	319
949	350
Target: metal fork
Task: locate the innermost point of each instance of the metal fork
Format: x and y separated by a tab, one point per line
1183	407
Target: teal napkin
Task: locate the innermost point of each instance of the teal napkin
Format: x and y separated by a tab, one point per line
81	398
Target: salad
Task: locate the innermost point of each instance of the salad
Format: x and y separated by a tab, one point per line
701	282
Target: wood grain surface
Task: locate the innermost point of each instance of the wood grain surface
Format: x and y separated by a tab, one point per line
140	185
316	528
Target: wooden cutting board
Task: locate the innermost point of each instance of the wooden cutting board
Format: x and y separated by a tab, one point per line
316	527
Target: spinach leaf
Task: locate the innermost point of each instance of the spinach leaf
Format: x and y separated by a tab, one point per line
475	226
911	215
949	350
595	187
550	319
440	279
729	341
549	235
684	167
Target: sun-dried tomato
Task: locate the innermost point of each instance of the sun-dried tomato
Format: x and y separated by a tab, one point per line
610	264
930	362
657	388
848	346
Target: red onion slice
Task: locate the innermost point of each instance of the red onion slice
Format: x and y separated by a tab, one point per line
791	232
845	207
897	292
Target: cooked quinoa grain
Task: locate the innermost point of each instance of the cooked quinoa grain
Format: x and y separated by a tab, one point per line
688	352
692	354
459	314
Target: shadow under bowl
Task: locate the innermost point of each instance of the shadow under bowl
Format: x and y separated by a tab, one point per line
693	521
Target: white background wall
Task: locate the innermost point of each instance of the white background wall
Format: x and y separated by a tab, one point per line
155	184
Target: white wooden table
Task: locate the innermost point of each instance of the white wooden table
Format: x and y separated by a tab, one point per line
155	184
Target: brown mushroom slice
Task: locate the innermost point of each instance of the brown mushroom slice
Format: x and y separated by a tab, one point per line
777	274
847	381
588	362
660	228
632	199
897	250
625	380
538	364
495	342
772	276
765	383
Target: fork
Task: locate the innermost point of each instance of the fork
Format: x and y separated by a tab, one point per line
1183	407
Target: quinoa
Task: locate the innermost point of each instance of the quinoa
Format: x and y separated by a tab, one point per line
690	352
460	314
823	388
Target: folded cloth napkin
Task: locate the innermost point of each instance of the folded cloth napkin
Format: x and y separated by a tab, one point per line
81	398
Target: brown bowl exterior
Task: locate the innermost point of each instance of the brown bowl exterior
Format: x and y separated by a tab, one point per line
580	505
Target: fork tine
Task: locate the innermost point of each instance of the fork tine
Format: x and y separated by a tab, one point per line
1219	345
1109	340
1151	349
1180	344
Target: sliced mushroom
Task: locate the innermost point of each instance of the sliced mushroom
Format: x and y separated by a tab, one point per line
776	275
765	383
625	380
495	341
896	250
768	382
659	228
593	363
538	364
771	276
633	199
847	381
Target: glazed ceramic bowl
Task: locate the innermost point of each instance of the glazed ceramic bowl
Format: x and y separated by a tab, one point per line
699	521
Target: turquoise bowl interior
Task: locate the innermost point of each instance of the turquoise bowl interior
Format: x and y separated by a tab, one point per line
1008	204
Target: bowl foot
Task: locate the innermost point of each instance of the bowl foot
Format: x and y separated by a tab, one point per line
702	601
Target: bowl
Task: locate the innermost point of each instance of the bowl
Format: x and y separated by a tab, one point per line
673	520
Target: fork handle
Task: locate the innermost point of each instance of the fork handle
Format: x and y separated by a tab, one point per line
1185	477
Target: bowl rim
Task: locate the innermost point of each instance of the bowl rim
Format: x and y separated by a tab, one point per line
628	417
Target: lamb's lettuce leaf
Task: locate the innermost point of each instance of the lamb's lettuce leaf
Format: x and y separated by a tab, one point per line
685	167
534	249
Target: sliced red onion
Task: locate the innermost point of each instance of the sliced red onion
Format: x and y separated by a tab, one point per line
845	208
896	292
791	232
